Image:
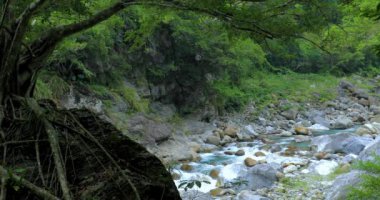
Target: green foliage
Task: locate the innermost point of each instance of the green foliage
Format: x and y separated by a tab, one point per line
369	187
50	86
189	184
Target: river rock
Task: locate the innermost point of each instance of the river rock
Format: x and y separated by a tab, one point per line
186	167
214	173
259	154
340	143
317	128
240	152
369	129
262	175
290	169
342	122
217	192
249	195
300	130
249	130
290	114
250	162
230	131
226	140
286	133
212	139
340	187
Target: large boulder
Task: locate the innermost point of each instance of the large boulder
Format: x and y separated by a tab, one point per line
371	150
323	167
290	114
176	149
341	122
212	139
341	185
341	143
148	131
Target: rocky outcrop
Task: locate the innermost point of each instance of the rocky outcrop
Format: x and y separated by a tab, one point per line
341	143
148	131
340	187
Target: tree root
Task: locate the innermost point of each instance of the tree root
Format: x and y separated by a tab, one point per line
44	194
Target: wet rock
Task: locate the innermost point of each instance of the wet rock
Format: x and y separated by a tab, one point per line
215	140
259	154
214	173
226	140
186	167
320	155
229	152
240	152
317	128
341	185
250	162
262	175
286	133
176	176
300	130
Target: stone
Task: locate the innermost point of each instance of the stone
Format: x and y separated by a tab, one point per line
250	162
186	167
231	131
340	143
262	176
290	114
249	195
342	122
318	128
212	139
375	118
214	173
226	140
176	176
372	149
259	154
217	192
286	133
320	155
364	102
290	169
300	130
240	152
340	188
250	130
229	152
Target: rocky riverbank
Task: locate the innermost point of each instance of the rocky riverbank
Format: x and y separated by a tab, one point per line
289	150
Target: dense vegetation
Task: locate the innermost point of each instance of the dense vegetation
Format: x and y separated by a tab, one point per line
227	67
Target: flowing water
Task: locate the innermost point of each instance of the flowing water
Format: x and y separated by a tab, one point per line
230	166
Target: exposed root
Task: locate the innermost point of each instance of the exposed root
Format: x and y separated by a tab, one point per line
61	154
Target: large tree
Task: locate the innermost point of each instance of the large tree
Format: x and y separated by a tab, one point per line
25	46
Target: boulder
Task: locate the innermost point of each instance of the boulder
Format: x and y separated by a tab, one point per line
300	130
226	140
250	162
370	150
318	128
176	149
217	192
186	167
214	173
259	154
240	152
212	139
340	143
290	169
262	176
249	130
231	131
340	188
341	122
249	195
290	114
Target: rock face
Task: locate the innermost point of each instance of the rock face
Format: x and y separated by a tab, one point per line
341	143
148	131
340	186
